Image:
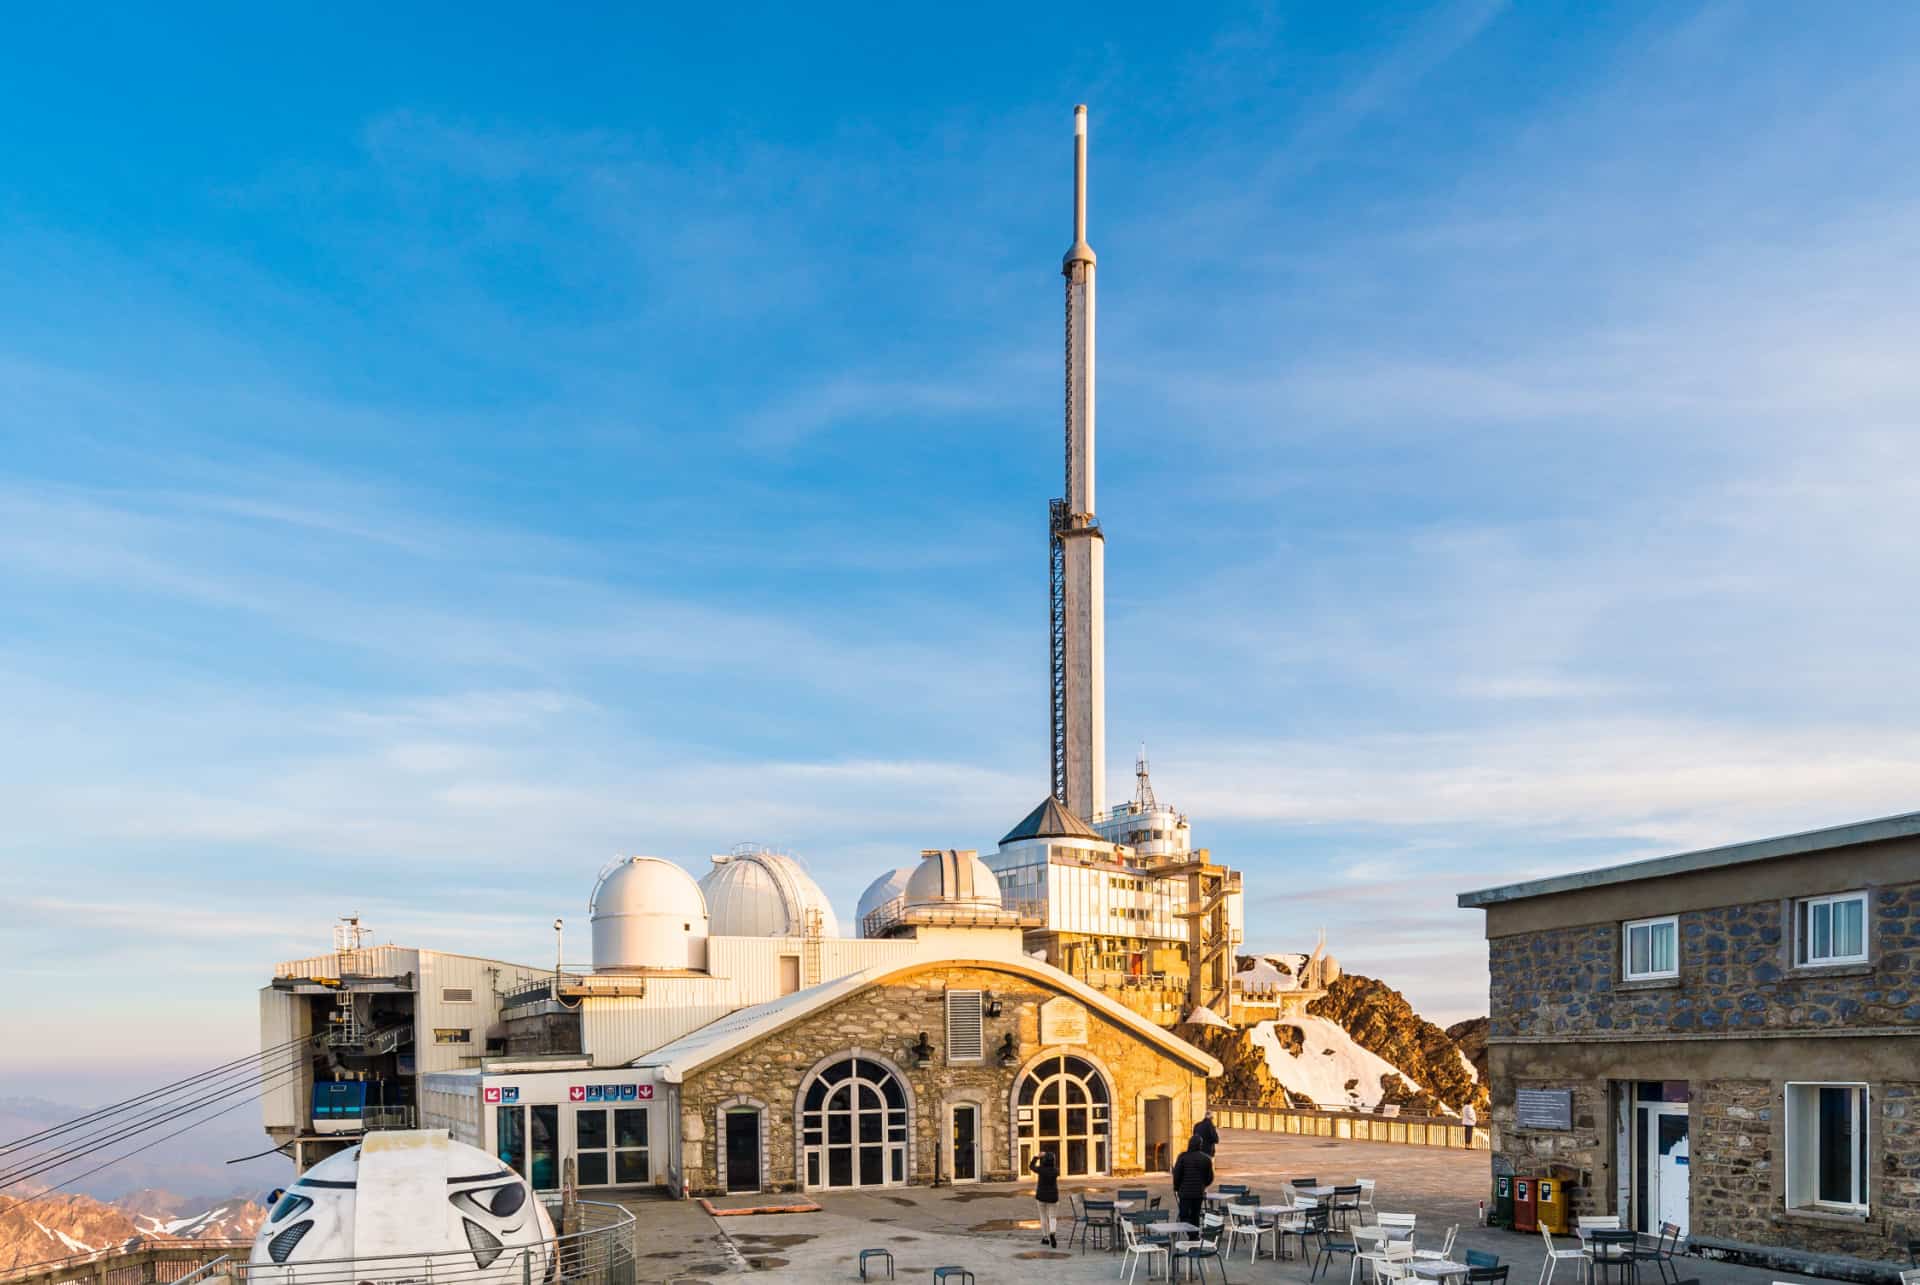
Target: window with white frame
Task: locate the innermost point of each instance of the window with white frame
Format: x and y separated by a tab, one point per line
1830	930
1650	948
1827	1127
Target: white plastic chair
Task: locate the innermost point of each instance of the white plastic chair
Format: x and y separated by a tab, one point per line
1366	1197
1243	1223
1397	1226
1608	1222
1137	1250
1445	1251
1396	1262
1557	1256
1910	1277
1368	1244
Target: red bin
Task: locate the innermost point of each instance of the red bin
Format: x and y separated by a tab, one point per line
1525	1204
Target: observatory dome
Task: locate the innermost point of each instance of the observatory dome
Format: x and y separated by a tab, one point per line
881	893
416	1199
648	914
757	893
953	878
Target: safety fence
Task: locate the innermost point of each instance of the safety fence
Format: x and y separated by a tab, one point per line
1324	1122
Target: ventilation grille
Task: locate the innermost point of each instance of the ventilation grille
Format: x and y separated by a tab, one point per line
280	1246
965	1039
456	995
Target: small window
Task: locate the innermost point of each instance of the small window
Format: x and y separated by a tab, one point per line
453	1035
965	1038
456	995
1827	1127
1650	948
1830	930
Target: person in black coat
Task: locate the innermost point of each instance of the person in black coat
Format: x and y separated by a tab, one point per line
1192	1175
1208	1135
1046	1193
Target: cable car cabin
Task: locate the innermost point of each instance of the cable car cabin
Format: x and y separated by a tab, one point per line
339	1106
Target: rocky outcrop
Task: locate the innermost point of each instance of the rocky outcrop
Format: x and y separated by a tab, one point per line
38	1229
1247	1077
1380	1020
1471	1036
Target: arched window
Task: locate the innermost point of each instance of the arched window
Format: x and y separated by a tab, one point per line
1063	1106
853	1126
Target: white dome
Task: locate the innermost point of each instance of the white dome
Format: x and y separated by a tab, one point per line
648	913
422	1193
756	893
953	879
882	892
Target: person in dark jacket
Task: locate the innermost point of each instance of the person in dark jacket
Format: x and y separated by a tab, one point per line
1208	1135
1192	1175
1046	1193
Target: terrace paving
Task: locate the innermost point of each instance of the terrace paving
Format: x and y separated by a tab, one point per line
992	1228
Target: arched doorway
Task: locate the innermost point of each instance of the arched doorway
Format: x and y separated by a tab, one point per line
853	1125
1063	1105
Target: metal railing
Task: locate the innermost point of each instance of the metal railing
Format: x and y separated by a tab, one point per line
1332	1121
140	1260
599	1251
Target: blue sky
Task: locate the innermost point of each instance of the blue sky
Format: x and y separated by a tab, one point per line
442	449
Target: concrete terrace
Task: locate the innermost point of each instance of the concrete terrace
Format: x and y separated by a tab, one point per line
991	1228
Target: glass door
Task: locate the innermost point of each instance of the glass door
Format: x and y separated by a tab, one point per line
529	1143
966	1143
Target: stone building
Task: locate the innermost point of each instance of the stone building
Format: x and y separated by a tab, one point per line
1727	1040
943	1071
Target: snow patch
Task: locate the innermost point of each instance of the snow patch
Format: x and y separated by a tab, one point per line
1329	1058
1204	1016
1467	1063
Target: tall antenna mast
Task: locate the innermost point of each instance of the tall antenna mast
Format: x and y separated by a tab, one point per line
1076	552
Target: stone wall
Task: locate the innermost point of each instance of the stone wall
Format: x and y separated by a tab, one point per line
882	1022
1581	1156
1736	975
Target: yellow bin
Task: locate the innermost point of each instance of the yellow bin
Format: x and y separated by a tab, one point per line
1552	1205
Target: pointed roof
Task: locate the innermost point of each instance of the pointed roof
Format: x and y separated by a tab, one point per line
1049	821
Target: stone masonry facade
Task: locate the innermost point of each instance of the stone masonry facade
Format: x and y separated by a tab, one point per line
1737	1026
1736	974
881	1023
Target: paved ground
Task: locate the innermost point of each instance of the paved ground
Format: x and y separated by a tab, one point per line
992	1229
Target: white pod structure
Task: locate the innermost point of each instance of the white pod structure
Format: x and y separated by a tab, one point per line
422	1205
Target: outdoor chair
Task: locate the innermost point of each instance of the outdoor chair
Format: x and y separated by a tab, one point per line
1302	1225
1327	1244
1395	1262
1609	1222
1910	1277
1913	1250
1345	1203
878	1256
1230	1188
1493	1274
1366	1196
1612	1249
1660	1253
1137	1249
1398	1226
959	1275
1144	1199
1078	1227
1101	1217
1306	1182
1202	1251
1446	1248
1557	1256
1242	1224
1481	1258
1370	1250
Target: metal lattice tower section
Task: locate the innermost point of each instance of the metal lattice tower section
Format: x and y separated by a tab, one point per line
1058	519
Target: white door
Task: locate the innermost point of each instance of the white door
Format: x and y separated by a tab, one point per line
1667	1152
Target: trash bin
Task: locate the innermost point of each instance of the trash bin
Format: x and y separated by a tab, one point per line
1503	1200
1524	1212
1550	1204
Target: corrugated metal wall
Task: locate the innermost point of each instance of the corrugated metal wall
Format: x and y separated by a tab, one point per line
283	1019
